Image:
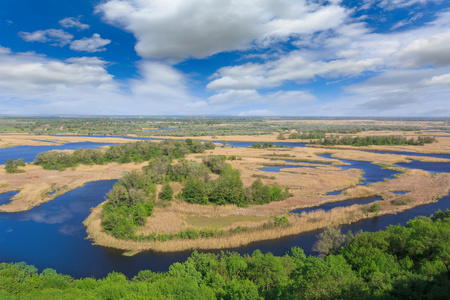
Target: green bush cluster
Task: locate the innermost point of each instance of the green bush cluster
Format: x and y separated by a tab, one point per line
266	145
229	189
124	153
129	204
12	167
402	262
375	140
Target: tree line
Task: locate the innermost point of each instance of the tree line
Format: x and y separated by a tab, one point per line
401	262
374	140
123	153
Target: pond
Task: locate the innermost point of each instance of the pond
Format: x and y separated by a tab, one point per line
28	153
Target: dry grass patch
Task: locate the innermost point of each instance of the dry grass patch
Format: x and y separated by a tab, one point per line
36	184
226	222
359	192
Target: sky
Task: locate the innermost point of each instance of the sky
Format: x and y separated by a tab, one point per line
342	58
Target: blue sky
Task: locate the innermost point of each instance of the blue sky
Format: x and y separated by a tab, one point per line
225	57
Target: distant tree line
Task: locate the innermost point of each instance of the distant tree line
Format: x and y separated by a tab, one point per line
124	153
267	145
374	140
401	262
310	135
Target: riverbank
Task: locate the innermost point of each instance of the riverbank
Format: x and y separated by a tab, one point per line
37	186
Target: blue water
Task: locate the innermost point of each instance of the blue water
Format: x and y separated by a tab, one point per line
330	205
438	155
334	193
372	173
432	167
5	197
400	192
277	168
28	153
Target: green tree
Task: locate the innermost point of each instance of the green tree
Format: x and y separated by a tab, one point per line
166	192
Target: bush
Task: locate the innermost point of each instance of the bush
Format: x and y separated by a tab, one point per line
166	192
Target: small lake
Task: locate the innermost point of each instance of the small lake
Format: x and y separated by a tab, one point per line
28	153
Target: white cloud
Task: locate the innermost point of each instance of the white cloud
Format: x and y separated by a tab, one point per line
250	102
395	4
56	36
92	44
433	50
438	80
73	22
181	29
293	67
392	93
35	84
25	74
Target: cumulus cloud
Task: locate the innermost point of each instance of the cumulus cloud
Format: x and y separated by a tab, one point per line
26	74
199	28
438	80
56	36
293	67
32	83
92	44
433	50
73	22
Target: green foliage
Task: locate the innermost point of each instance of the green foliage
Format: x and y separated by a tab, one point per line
409	262
166	192
12	167
194	191
228	188
129	204
124	153
216	163
375	140
329	240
